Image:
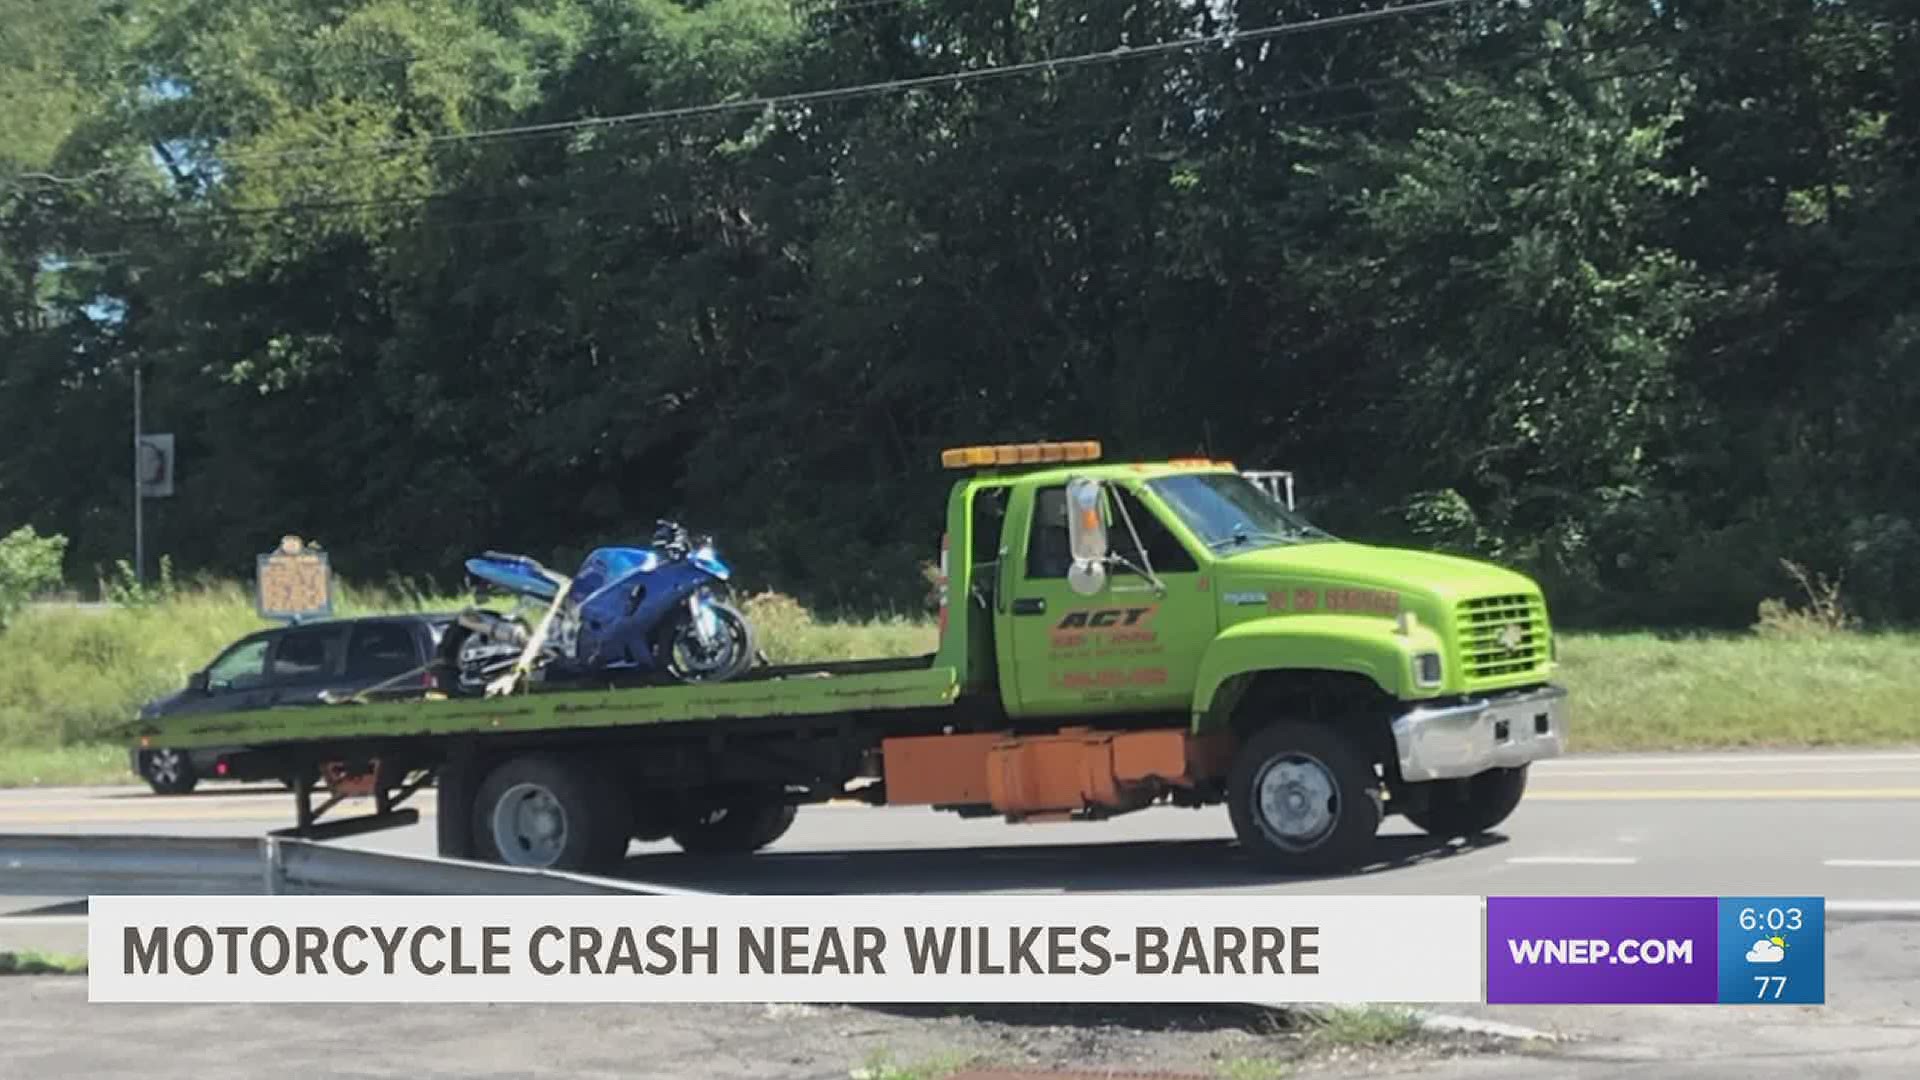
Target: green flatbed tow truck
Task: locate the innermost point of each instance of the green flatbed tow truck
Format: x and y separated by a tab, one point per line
1112	637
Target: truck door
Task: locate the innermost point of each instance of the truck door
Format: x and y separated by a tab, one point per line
1126	648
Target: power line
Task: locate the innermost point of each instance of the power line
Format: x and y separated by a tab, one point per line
590	211
1198	109
1228	39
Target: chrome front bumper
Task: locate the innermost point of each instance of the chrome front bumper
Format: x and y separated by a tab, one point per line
1502	731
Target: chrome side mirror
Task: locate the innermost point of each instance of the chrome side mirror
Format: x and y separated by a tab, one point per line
1086	536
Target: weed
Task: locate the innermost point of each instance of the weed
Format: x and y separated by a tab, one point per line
1365	1027
38	963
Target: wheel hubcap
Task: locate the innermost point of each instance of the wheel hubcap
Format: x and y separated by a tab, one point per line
164	766
529	826
1299	802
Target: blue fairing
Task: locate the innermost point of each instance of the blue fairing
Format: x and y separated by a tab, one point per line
618	613
516	574
712	564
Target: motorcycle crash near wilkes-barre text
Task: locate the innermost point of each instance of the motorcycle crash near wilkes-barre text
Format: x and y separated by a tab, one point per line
662	611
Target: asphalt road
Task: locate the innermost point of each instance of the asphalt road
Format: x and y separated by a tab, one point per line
1839	825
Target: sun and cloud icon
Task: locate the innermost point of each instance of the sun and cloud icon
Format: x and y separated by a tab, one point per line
1768	951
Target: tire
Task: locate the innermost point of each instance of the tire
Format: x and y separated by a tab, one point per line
737	827
1472	806
735	624
168	772
549	812
290	781
653	817
1318	774
449	674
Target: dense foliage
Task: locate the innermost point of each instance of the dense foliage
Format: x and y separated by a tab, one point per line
1623	293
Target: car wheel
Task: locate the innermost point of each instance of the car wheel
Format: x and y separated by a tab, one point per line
168	772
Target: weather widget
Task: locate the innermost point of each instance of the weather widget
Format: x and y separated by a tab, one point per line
1773	950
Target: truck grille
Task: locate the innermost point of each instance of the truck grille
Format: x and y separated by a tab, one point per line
1486	621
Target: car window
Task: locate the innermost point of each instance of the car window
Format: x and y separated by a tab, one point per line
381	650
242	667
306	654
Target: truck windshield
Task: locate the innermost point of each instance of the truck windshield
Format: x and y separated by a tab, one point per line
1226	511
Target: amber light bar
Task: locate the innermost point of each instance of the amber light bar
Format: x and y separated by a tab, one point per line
1037	453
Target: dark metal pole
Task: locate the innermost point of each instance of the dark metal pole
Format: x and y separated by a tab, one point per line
139	497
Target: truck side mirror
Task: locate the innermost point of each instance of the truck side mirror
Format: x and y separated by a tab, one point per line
197	682
1086	536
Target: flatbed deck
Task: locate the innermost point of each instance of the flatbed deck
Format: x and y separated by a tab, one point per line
802	690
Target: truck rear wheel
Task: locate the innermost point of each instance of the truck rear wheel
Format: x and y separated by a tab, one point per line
1472	806
1303	798
549	812
733	827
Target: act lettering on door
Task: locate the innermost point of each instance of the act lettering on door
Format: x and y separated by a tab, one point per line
1102	618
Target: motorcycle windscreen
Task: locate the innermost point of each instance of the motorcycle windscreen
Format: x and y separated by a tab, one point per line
707	560
520	576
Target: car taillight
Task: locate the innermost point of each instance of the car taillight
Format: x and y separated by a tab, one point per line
220	767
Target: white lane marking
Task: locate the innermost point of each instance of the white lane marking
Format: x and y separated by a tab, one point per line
1873	864
1573	860
42	920
1787	770
1873	909
1574	761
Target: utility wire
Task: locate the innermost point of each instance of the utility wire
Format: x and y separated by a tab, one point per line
1200	111
578	212
1228	39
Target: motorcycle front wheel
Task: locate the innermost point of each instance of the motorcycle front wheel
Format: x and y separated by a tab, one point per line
688	659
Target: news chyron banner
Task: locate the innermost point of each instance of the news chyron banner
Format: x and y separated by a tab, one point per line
929	949
854	949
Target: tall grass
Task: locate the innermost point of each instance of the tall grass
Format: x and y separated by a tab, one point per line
1644	692
70	677
789	633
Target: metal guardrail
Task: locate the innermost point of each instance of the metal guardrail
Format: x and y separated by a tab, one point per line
68	866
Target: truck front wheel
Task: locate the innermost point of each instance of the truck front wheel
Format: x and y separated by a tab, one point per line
549	812
735	826
1303	798
1472	806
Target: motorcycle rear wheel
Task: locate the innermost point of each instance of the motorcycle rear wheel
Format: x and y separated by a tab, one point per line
459	676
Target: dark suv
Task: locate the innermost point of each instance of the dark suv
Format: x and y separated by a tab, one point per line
291	665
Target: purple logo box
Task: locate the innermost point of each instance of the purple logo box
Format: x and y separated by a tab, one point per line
1603	950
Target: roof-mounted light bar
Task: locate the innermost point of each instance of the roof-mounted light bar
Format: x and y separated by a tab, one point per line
1039	453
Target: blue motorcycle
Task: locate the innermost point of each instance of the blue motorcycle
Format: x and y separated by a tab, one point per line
658	610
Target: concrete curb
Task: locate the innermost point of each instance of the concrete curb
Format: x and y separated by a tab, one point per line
1447	1024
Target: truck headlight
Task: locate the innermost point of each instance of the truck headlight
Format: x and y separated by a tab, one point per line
1426	669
